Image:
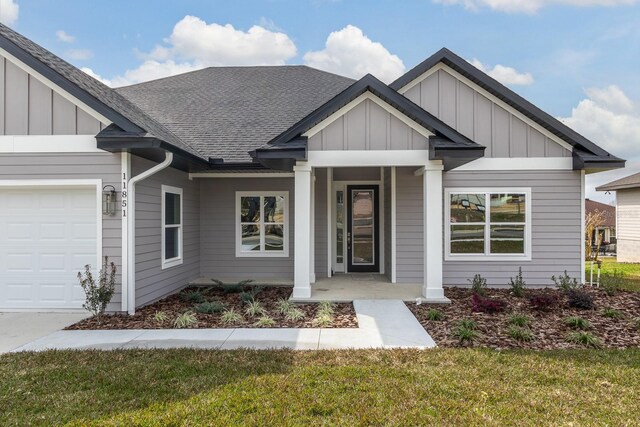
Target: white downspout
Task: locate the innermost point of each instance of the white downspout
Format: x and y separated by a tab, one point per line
131	225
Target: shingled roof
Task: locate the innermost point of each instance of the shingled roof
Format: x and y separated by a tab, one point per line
631	181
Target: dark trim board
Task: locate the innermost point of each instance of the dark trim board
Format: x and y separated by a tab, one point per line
375	267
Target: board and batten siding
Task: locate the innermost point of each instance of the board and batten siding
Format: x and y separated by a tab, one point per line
556	227
409	226
480	119
153	282
29	107
628	225
367	126
104	166
218	231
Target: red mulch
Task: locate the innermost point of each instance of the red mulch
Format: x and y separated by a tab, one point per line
173	305
548	327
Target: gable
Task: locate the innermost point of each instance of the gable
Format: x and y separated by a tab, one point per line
482	117
368	123
32	105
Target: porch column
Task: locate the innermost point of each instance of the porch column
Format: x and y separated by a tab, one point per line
432	289
302	232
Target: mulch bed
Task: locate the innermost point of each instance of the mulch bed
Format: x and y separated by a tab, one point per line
548	327
174	305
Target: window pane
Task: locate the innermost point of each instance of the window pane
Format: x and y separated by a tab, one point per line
467	208
339	227
250	238
274	238
467	239
508	208
274	209
249	209
171	242
507	239
171	208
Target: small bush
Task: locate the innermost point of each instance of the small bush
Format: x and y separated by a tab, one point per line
612	313
265	321
565	282
542	302
185	320
435	315
193	297
255	308
98	294
210	307
322	320
326	307
294	314
518	284
246	297
284	305
486	305
232	288
585	339
518	320
160	316
521	334
580	299
612	282
576	322
478	285
468	323
231	317
465	331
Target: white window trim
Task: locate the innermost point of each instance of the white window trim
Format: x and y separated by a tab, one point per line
168	263
487	256
285	231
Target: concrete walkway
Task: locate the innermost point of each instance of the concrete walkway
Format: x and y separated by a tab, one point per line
17	329
382	324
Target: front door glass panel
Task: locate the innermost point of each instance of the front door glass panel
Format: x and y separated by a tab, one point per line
362	211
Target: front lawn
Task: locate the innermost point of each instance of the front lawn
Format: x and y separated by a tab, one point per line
375	387
609	265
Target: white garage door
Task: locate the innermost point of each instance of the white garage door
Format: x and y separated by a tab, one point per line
47	235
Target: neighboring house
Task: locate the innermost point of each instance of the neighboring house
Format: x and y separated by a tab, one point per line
282	173
606	231
628	216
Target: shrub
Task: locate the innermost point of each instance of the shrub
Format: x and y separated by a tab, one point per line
265	321
585	339
612	282
98	295
580	299
576	322
565	282
323	320
194	297
435	315
478	285
612	313
246	297
231	317
465	331
521	334
160	316
518	320
284	305
486	305
517	284
233	288
185	320
542	302
255	308
294	314
210	307
468	323
326	307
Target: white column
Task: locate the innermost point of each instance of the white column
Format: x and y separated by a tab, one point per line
302	232
432	289
312	234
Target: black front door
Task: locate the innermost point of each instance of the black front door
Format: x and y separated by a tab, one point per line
363	253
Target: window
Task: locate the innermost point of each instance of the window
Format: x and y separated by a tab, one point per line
171	226
261	224
492	224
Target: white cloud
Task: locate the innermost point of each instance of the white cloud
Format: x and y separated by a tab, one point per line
64	37
351	53
79	54
9	11
194	44
608	118
503	74
96	76
530	6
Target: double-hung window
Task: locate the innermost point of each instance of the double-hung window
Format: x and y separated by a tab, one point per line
171	226
262	224
488	224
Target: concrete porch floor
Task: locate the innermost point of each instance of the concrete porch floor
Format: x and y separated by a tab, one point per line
354	286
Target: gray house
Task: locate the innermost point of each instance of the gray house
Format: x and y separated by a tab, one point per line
282	174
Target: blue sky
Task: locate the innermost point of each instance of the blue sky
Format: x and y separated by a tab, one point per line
576	59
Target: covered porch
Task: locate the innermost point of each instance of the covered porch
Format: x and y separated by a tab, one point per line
353	286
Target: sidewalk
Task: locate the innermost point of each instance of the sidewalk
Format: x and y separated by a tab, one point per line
382	324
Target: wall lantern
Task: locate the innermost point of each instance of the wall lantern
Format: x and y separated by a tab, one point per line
108	200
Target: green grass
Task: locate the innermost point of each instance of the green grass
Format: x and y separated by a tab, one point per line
631	272
376	387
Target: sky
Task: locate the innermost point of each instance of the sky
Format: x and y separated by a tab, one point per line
579	60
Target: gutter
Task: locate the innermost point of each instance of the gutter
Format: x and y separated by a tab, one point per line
131	229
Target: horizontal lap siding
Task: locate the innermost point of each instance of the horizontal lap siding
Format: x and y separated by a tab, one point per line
628	227
409	226
152	282
104	166
556	227
218	239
